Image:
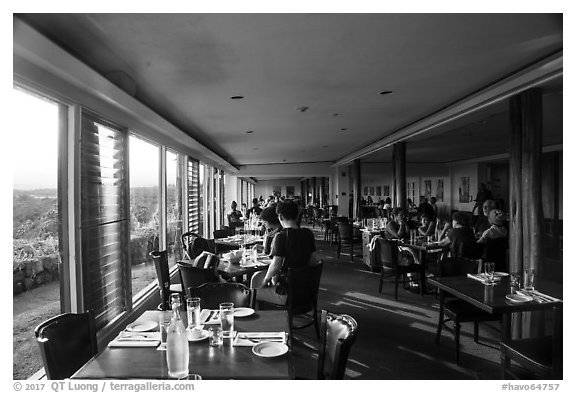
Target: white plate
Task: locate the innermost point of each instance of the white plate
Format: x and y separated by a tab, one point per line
243	312
145	326
269	349
518	298
204	336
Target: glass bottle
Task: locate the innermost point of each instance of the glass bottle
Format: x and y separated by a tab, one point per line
177	354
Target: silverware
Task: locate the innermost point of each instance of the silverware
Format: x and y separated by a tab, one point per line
209	316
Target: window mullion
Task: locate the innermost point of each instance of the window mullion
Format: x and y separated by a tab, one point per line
163	200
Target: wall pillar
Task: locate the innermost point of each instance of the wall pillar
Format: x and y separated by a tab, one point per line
399	174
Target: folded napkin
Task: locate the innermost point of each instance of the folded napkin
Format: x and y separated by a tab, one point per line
539	296
482	277
249	339
133	339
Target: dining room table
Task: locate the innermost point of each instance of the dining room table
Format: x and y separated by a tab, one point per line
225	361
423	248
238	241
243	270
496	298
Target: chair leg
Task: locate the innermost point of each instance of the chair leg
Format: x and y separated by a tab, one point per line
352	251
457	341
381	282
316	326
396	287
476	332
338	250
440	325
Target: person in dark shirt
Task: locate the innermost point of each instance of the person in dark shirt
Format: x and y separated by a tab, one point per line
425	208
272	224
398	228
483	195
234	215
461	238
255	209
291	247
482	224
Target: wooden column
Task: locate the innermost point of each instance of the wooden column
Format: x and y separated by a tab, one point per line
307	200
526	213
302	191
322	194
399	174
314	190
357	189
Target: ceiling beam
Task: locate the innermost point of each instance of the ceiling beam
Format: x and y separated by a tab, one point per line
537	74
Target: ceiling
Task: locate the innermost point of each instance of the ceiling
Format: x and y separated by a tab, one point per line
186	67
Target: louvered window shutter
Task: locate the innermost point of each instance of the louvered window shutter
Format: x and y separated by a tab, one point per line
193	196
104	218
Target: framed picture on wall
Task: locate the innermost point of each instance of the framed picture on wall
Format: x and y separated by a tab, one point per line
464	190
289	191
386	190
427	189
378	190
277	191
365	190
440	191
371	190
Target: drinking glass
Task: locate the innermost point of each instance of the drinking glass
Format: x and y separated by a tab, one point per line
164	323
193	309
529	279
215	336
514	283
489	270
227	319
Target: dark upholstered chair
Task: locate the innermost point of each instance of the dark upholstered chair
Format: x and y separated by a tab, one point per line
389	256
338	333
213	293
160	259
193	276
193	245
302	293
457	310
347	238
223	232
541	356
66	343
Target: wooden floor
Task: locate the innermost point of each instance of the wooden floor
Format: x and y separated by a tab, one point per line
396	338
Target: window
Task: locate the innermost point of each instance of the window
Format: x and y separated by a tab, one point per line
104	219
194	197
144	211
38	261
174	179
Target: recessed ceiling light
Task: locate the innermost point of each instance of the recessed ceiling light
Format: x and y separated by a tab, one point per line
283	160
324	145
255	148
237	97
336	114
343	129
385	92
302	108
249	132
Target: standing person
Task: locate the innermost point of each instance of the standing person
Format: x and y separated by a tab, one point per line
434	207
234	216
483	195
291	247
425	208
461	238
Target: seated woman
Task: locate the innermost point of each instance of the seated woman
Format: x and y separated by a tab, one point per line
291	247
461	238
235	216
482	224
398	228
497	229
427	226
272	224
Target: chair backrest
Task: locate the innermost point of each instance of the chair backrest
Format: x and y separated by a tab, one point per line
193	245
303	284
454	266
337	335
345	231
160	259
195	276
214	293
388	253
66	343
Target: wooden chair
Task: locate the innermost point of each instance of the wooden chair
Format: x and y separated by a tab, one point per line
338	334
347	238
391	267
193	276
212	294
542	356
66	343
160	259
457	310
303	284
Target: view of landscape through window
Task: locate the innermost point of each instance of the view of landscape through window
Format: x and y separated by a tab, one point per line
174	179
36	256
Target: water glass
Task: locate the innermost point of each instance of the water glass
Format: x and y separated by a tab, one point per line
529	279
489	271
227	319
164	324
193	309
215	336
514	283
